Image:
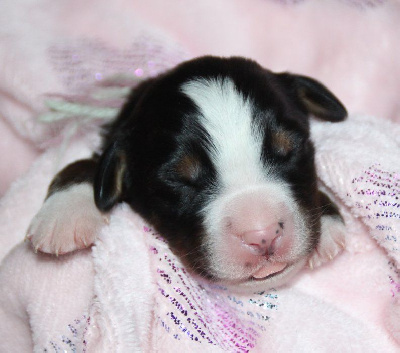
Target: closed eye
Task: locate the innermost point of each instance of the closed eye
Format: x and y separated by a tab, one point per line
185	171
283	142
188	169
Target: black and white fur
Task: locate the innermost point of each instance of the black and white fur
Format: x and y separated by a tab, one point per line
216	155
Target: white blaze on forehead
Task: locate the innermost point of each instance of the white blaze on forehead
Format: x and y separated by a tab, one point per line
227	117
252	197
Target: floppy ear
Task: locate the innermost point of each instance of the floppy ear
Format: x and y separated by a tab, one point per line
316	98
109	180
109	183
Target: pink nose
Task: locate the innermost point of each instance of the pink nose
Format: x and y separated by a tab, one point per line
264	241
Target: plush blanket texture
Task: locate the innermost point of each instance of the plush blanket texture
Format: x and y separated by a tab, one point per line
66	72
129	292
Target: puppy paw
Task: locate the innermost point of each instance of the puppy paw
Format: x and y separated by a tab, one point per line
68	220
332	241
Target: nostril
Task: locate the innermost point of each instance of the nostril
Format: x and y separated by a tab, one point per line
257	249
264	241
256	238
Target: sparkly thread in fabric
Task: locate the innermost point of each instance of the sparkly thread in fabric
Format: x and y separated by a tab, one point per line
194	307
76	334
379	192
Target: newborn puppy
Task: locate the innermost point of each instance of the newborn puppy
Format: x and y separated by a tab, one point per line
216	155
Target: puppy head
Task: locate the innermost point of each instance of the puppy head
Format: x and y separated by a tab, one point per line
216	155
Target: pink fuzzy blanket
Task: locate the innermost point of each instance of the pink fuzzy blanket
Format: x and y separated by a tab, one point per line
129	292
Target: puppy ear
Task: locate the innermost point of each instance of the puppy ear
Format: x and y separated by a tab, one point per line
109	180
316	98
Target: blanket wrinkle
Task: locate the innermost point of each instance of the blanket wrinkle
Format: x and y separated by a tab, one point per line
114	293
373	194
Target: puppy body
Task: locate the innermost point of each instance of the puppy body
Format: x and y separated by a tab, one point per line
216	155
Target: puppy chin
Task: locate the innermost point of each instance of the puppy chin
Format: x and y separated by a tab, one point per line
279	279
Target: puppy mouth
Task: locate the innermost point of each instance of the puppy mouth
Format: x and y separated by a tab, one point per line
269	270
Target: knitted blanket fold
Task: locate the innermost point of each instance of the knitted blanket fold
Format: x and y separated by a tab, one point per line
130	293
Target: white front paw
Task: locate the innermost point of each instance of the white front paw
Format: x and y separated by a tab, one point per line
332	241
68	220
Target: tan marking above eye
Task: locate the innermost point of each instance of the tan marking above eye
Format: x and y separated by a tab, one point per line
120	172
283	142
188	167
